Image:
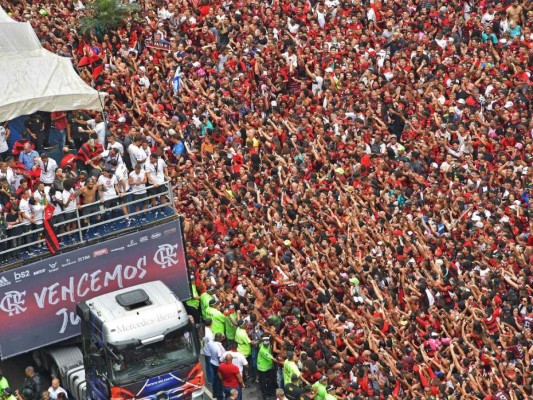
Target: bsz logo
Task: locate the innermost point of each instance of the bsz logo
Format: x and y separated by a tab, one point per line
21	275
166	255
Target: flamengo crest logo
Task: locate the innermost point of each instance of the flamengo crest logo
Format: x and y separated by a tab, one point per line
13	303
166	255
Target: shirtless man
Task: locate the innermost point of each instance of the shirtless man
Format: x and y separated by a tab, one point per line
515	12
89	205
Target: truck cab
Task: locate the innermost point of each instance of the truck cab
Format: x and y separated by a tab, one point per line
138	343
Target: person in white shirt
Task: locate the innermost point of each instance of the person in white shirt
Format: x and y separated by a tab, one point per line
4	135
137	180
216	350
48	169
96	125
55	389
157	172
238	358
69	204
113	144
108	190
137	156
208	337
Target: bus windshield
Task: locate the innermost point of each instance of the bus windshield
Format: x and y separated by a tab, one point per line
176	350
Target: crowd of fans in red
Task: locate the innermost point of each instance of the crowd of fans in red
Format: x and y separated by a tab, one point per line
360	169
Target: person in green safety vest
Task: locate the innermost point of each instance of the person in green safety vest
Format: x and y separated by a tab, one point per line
193	304
216	316
244	344
330	395
265	368
3	381
205	298
231	322
7	394
290	367
320	387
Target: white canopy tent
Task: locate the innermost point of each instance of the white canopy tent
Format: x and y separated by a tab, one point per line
34	79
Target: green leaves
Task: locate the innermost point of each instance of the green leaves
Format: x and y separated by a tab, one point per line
103	16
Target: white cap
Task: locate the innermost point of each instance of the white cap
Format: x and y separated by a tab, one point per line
142	68
461	101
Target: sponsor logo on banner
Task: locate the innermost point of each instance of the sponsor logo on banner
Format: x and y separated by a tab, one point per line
131	243
52	267
39	271
68	262
13	302
143	239
169	231
166	255
156	235
4	282
100	252
21	275
117	249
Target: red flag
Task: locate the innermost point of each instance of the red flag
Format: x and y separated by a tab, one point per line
49	234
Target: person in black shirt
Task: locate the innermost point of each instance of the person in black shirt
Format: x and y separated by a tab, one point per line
32	383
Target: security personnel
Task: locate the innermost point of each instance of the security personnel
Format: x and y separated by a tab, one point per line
216	316
330	395
243	340
265	367
290	368
320	387
3	381
205	298
231	322
8	394
292	390
193	304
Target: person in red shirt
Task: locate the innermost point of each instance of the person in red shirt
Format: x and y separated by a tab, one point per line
230	377
60	131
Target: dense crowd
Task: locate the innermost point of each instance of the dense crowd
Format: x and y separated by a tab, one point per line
355	178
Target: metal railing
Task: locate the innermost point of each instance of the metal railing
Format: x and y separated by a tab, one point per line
94	226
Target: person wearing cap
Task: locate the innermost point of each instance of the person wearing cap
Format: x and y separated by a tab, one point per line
265	367
216	316
292	389
157	173
8	394
330	393
48	168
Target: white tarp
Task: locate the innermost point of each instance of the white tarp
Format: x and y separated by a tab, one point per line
34	79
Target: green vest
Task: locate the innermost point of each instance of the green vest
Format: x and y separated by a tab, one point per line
289	368
264	358
205	298
230	328
243	342
3	384
193	302
218	320
321	391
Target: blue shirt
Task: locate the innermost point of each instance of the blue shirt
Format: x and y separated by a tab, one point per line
27	159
